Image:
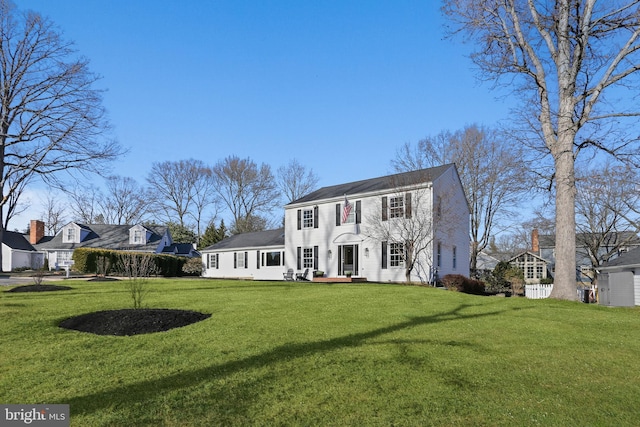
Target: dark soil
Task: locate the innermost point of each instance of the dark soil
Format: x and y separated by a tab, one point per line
132	321
39	288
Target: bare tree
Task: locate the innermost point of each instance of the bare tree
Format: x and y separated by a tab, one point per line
606	206
51	116
85	203
124	202
54	215
247	190
490	168
15	202
181	189
295	180
563	58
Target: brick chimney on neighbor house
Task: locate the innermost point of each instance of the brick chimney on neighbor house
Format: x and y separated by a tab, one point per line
36	231
535	241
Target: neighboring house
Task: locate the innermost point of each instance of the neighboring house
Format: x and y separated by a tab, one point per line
613	245
17	252
369	229
619	280
533	266
59	248
486	262
258	255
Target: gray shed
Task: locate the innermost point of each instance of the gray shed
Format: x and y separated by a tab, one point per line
619	280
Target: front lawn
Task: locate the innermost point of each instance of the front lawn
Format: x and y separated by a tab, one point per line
291	353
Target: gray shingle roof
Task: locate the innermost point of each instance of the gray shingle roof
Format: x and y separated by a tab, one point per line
250	240
375	184
105	236
628	258
612	239
16	241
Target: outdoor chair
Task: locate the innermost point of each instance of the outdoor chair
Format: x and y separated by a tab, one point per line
289	275
303	276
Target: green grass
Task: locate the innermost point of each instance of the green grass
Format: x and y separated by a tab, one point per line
276	353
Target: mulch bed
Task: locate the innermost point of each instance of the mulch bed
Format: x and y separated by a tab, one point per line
128	322
39	288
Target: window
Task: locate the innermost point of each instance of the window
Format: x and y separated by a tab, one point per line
455	257
396	207
213	261
71	234
396	251
307	258
307	218
241	259
137	236
272	259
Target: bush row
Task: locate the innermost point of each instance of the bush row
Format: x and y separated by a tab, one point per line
106	261
460	283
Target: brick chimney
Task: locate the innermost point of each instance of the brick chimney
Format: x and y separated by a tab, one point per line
535	241
36	231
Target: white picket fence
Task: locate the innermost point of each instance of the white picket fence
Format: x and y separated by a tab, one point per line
537	291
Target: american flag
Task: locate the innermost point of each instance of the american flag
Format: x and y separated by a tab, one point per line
346	210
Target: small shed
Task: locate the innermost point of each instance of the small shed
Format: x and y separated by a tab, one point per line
619	280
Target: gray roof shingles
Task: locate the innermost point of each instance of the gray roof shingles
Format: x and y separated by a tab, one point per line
375	184
105	236
250	240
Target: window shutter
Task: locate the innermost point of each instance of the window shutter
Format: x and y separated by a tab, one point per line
258	260
384	208
338	211
384	254
299	262
208	260
299	219
315	217
358	212
355	260
217	261
235	260
246	260
339	260
407	205
315	257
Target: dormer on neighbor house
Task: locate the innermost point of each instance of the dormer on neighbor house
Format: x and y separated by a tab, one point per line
139	235
74	233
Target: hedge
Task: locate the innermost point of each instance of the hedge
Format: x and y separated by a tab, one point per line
103	261
460	283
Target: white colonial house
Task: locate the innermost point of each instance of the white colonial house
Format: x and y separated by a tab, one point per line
413	225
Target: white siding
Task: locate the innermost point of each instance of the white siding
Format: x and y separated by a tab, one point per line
636	288
225	267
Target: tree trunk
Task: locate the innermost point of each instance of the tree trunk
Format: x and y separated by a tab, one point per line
565	270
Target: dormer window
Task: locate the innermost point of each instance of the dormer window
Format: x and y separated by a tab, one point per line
71	234
138	235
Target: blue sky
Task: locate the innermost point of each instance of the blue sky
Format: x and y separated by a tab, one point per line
338	85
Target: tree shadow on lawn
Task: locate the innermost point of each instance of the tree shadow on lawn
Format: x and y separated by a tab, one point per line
138	393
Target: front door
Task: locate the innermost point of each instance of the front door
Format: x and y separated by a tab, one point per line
348	260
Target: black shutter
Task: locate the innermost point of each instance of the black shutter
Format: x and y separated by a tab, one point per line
208	260
299	264
358	212
235	260
258	260
355	260
407	205
246	260
384	208
339	260
299	219
315	257
217	261
384	254
315	217
338	214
